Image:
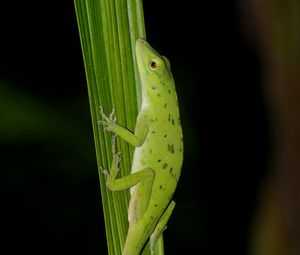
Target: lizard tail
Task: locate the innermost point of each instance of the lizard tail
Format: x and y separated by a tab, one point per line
137	236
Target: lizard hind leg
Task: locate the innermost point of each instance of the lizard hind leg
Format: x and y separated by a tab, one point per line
160	227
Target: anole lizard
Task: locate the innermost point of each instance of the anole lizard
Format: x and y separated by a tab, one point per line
158	152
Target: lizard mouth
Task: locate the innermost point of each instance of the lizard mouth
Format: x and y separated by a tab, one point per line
141	48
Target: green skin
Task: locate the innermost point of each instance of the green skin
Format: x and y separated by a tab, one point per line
158	152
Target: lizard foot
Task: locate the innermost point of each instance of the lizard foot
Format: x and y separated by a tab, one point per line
103	170
107	121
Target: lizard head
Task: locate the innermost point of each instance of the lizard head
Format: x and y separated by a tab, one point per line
154	69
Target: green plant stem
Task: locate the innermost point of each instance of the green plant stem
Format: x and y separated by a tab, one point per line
108	31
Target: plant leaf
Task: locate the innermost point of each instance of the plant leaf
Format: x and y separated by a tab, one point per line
108	31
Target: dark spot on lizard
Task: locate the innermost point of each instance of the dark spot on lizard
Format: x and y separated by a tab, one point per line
165	136
160	187
165	165
158	160
150	151
171	169
155	205
173	122
158	94
165	105
171	148
154	87
153	132
169	118
169	91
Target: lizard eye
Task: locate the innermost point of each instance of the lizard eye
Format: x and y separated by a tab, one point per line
153	64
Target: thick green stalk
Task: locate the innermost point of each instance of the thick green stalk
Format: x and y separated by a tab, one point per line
108	32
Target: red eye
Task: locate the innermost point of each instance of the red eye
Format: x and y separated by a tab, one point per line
153	64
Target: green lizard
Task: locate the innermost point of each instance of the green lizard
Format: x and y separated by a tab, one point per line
158	152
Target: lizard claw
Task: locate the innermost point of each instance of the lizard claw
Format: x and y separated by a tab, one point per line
101	110
103	170
111	116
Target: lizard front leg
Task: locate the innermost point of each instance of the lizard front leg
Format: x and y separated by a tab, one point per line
136	139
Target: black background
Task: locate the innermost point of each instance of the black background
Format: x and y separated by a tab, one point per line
50	198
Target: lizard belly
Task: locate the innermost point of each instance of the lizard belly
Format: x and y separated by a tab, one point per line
162	152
